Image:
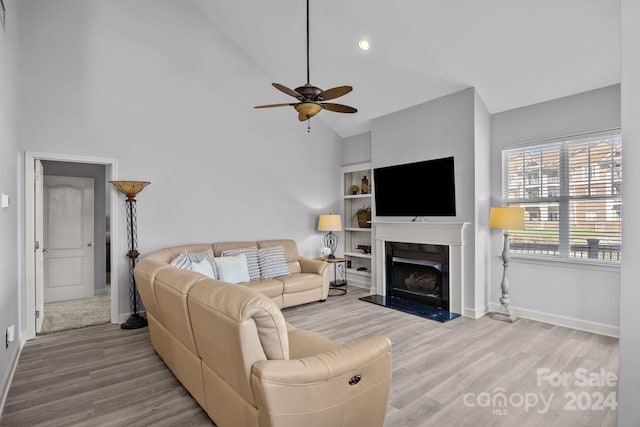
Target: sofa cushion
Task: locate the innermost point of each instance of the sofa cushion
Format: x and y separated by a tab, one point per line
305	343
300	282
273	262
270	287
251	255
232	269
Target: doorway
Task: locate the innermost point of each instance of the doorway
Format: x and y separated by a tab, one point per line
72	262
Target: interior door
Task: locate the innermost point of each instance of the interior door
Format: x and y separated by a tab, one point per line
68	238
39	236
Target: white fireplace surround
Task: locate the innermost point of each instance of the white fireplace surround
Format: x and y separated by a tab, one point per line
434	233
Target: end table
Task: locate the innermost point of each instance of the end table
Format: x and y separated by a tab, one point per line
339	282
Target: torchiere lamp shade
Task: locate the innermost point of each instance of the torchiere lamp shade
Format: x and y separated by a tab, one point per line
508	218
130	188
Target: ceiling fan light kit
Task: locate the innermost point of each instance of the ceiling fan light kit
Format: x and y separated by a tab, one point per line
311	98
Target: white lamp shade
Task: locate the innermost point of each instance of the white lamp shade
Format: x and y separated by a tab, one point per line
509	218
330	222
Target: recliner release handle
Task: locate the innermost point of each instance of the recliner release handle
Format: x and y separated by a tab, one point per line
355	379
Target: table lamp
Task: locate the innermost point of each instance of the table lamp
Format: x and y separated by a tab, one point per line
330	223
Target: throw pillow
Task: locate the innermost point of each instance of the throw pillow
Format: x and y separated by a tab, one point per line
203	267
273	262
232	269
182	261
252	260
204	255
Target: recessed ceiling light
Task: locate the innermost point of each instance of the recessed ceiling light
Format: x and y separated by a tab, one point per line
364	44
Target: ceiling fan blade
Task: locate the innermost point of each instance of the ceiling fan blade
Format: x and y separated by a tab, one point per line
288	91
335	92
338	108
272	105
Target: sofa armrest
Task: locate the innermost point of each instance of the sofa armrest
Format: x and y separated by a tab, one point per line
350	382
308	265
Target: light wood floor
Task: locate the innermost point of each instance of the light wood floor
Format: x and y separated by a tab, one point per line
443	374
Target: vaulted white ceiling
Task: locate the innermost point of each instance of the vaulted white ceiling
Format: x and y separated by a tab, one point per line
514	52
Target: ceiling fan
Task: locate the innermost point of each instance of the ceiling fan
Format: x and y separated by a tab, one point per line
311	99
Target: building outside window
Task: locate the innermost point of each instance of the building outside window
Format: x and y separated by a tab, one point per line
570	190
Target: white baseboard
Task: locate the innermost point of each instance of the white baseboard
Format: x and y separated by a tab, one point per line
567	322
12	369
475	313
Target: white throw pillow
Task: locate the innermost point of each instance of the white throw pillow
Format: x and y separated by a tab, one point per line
232	269
273	262
252	260
203	267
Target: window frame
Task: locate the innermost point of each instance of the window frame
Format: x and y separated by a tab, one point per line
564	198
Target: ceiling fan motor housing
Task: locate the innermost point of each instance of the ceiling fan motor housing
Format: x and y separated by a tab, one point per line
309	92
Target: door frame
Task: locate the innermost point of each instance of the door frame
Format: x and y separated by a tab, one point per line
29	302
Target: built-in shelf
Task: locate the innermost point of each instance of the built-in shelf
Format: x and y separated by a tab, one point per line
354	235
355	272
358	255
366	230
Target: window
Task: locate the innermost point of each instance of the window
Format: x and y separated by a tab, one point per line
570	191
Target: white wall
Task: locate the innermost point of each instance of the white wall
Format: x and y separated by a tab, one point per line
440	128
357	149
629	410
567	290
9	169
482	194
114	80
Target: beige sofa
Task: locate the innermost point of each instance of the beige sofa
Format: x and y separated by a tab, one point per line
232	349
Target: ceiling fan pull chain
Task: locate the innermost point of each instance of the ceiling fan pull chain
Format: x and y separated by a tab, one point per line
308	124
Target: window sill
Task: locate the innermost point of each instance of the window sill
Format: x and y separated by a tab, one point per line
612	266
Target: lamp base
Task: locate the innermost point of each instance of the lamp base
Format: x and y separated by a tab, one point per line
505	313
331	256
135	321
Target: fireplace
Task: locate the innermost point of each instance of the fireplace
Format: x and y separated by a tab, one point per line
418	272
427	275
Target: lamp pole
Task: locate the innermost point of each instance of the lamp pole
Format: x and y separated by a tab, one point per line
130	189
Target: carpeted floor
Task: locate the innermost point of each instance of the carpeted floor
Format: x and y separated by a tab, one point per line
78	313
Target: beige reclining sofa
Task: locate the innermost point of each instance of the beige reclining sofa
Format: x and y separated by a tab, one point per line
231	348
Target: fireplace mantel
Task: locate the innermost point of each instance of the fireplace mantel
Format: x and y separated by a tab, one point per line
436	233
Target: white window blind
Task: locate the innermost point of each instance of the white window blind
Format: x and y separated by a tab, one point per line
570	191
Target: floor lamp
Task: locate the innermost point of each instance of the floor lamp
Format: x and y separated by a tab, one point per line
509	218
330	223
130	189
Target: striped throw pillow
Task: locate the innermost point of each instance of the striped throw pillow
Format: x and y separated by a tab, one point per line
273	262
252	260
207	255
182	261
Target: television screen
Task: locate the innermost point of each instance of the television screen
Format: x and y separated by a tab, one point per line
425	188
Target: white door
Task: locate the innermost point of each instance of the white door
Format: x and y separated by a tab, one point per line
68	238
39	235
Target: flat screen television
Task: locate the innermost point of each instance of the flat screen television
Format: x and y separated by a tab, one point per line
425	188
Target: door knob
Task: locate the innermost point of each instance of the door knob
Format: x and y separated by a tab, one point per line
45	250
90	244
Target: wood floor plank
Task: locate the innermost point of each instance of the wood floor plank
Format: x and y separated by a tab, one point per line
106	376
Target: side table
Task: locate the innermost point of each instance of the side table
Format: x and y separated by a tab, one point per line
339	282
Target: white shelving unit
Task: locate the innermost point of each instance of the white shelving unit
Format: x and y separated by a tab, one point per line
353	234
